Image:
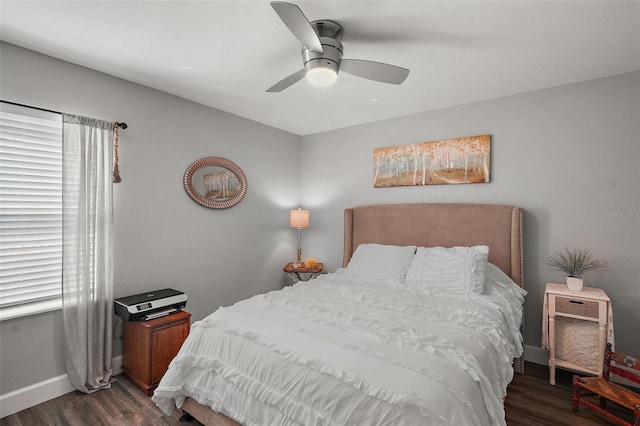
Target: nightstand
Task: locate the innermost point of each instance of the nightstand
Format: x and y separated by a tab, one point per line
302	274
578	323
149	346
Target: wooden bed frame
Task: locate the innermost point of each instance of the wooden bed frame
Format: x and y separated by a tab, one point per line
427	225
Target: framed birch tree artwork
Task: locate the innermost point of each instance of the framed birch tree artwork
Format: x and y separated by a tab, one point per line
216	183
450	161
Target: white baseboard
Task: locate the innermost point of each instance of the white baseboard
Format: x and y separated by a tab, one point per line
536	355
38	393
35	394
116	365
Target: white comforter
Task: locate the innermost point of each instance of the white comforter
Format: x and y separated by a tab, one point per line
340	351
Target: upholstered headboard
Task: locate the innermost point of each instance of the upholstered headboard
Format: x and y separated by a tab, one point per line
446	225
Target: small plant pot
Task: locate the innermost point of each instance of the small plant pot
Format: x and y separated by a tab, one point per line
575	284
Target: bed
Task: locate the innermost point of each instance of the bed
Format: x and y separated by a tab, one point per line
369	349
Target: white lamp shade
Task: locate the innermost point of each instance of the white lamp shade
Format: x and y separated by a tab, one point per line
321	76
299	218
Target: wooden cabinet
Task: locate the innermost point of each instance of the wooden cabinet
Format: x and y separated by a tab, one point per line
149	346
578	323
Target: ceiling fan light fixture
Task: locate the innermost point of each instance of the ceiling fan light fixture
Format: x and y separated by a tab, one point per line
322	53
321	76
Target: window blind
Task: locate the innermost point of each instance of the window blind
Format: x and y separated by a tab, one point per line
30	210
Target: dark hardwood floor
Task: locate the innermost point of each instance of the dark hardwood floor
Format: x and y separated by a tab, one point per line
121	405
531	401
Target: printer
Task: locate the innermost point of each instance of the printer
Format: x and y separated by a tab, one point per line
149	305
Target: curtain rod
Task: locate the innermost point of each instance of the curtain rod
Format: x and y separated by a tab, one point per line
122	125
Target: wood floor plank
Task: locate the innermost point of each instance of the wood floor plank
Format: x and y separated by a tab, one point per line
531	401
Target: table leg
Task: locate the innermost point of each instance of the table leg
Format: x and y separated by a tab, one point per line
552	350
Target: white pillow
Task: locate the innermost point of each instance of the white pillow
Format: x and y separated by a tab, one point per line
459	270
379	261
497	282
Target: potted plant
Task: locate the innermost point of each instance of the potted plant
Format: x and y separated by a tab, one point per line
575	264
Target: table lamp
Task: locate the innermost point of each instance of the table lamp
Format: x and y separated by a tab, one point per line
299	219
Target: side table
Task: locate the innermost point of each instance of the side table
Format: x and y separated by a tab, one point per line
578	324
302	273
149	346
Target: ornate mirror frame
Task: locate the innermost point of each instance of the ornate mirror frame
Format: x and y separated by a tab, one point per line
216	162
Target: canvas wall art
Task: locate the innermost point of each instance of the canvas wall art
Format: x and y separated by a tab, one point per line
450	161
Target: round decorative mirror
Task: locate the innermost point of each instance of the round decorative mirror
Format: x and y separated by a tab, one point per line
215	182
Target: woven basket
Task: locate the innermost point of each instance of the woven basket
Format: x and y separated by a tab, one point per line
577	342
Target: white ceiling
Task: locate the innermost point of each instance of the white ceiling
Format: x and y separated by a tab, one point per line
225	54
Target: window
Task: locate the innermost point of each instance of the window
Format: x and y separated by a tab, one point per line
30	211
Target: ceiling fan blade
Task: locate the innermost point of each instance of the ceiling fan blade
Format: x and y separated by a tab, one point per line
377	71
298	24
287	81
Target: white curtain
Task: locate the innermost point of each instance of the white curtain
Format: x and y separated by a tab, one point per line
87	276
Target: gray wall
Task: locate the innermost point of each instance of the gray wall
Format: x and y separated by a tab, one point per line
570	156
162	238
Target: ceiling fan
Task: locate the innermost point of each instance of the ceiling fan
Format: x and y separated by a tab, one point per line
322	53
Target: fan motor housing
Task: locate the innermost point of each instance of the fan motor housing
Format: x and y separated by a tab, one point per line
330	33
